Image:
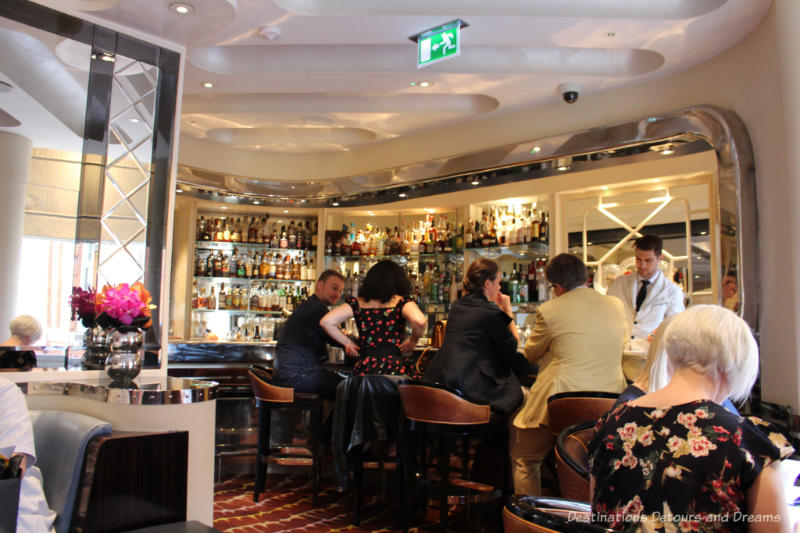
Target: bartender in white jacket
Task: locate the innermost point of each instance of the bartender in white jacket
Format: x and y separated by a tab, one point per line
649	297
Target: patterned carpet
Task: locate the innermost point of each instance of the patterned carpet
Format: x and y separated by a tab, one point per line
286	508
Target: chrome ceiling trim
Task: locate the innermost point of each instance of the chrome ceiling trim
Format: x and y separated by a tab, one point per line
690	128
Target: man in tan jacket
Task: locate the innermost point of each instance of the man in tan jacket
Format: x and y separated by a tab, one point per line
577	340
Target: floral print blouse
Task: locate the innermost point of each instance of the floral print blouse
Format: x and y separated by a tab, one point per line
381	330
682	468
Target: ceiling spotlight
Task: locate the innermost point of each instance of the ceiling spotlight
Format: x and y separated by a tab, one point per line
611	34
256	202
536	149
423	84
285	210
402	195
668	151
476	182
335	204
134	120
181	8
562	168
269	33
224	207
208	84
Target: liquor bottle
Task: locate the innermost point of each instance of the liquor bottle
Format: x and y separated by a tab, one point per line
202	301
241	268
252	231
212	300
199	264
200	229
225	272
535	225
257	334
218	230
222	298
263	267
314	237
513	285
194	295
229	298
261	299
218	264
468	235
533	291
275	238
236	235
543	228
292	236
523	286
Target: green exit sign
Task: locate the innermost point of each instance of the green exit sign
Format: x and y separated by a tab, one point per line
439	43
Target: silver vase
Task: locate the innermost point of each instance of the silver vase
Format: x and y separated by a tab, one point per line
96	344
125	360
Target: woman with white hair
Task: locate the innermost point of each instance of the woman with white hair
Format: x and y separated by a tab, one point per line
25	330
656	372
675	459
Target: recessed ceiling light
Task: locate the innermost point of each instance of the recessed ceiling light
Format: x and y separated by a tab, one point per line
668	151
256	202
476	182
224	207
402	195
536	149
181	8
611	34
423	84
562	168
285	210
134	120
335	204
107	57
269	33
208	84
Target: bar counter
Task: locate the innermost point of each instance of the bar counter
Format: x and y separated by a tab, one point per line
141	391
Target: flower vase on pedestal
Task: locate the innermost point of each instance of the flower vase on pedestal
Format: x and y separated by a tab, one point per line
125	360
96	344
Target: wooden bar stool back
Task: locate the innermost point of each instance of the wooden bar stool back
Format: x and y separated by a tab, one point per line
569	408
435	410
275	397
572	461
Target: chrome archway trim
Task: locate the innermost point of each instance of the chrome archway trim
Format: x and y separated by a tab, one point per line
702	125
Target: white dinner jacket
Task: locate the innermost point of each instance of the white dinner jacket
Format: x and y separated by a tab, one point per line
664	299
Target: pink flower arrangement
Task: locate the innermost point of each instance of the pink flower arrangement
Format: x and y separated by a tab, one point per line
113	307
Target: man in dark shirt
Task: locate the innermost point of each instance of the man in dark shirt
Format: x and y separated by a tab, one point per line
302	343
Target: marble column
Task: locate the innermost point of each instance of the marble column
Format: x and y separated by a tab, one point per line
15	163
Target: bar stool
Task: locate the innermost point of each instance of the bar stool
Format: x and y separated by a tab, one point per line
434	410
568	408
274	397
572	461
532	514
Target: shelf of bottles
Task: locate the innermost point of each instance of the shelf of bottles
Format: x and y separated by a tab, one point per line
516	236
430	247
249	275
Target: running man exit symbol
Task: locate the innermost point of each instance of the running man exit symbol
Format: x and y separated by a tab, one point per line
439	43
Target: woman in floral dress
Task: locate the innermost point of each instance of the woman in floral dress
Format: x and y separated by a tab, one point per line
675	459
381	310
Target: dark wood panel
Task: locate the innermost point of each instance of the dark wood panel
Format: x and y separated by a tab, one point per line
134	480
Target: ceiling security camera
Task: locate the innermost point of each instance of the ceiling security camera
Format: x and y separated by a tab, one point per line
570	92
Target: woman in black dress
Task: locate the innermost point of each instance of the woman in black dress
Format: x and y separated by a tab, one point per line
479	354
381	310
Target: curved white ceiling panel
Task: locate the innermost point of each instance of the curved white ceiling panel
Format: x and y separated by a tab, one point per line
35	70
338	103
7	120
636	9
254	136
238	60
